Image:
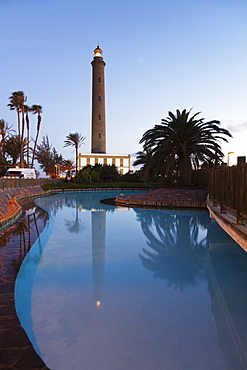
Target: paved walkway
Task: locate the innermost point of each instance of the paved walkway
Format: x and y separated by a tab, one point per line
178	197
10	209
228	222
16	351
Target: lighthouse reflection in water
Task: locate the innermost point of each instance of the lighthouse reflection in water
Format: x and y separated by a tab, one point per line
118	288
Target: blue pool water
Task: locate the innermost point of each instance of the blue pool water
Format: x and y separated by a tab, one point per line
109	287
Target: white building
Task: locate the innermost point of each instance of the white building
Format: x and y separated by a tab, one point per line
121	161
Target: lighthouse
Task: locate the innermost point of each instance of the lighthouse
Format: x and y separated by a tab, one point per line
98	136
98	153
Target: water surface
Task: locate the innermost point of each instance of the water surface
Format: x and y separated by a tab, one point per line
109	287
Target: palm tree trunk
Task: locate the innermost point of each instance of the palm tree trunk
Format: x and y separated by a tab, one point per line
18	122
28	138
36	139
22	139
184	168
76	160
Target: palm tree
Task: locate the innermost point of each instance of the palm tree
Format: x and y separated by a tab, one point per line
17	100
68	165
5	129
26	111
36	109
181	143
144	159
12	147
74	140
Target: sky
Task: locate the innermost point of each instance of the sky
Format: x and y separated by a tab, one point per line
161	55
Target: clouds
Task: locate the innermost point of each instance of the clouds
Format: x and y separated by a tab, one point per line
237	128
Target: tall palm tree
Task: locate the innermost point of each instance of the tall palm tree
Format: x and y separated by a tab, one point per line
144	158
36	109
17	100
75	140
12	148
26	111
5	130
180	143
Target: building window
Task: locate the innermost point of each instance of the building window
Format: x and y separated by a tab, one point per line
99	136
99	117
99	98
99	79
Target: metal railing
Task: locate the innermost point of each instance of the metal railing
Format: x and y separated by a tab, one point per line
228	189
23	183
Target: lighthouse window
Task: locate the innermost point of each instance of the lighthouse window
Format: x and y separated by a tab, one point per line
99	98
99	136
99	79
99	117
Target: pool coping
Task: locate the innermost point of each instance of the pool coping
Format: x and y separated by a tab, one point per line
16	351
228	222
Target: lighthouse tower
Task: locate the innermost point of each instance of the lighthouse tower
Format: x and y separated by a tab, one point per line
98	153
98	144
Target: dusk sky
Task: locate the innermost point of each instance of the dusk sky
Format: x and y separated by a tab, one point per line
161	55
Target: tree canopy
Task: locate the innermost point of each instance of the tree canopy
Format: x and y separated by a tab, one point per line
48	157
74	139
181	143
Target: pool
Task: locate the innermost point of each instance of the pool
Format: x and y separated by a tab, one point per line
109	287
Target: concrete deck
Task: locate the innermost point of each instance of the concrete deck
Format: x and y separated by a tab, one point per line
228	222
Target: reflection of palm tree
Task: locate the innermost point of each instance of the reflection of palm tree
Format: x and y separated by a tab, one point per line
177	250
227	265
21	230
75	226
28	230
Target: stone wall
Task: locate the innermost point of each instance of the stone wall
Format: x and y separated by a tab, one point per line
10	210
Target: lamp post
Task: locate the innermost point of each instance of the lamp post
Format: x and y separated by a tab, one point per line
228	157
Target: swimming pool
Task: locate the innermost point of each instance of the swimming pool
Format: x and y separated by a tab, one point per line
108	287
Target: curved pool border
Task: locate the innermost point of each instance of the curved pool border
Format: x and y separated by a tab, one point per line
16	351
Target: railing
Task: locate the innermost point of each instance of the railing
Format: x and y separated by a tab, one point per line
227	188
23	183
201	178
